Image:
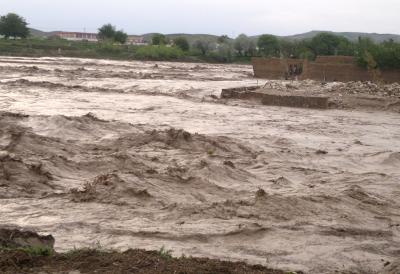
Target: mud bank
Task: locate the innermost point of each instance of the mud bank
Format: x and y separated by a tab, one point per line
23	251
312	94
292	189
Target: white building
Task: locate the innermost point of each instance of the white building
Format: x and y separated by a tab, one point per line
78	36
136	40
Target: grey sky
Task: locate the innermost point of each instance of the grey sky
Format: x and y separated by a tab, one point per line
232	17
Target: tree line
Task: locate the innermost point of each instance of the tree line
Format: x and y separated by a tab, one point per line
383	55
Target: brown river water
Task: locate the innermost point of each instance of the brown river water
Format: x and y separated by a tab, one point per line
144	155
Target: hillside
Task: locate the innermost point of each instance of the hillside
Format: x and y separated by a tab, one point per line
352	36
39	33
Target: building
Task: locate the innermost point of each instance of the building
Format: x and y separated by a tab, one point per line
136	40
78	36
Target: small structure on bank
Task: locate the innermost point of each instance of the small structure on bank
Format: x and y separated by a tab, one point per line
324	68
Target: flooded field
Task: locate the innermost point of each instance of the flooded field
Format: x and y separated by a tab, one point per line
145	155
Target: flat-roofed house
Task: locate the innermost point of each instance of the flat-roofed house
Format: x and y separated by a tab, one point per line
78	36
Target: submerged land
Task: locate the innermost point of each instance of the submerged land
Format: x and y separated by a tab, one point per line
148	155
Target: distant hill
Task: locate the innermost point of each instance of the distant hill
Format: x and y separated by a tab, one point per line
352	36
39	33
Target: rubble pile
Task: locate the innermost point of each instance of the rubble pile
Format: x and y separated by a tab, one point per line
365	88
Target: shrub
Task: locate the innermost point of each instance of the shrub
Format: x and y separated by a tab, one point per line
159	53
182	43
159	39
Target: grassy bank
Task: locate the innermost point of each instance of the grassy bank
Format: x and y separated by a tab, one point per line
59	47
35	47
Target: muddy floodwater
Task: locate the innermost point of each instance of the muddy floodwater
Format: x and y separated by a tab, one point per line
145	155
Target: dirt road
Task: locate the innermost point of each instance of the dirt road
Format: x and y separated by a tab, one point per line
143	155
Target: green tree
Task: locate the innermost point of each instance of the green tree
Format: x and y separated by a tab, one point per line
182	43
345	47
287	48
13	25
159	39
107	32
203	46
378	56
120	37
223	39
242	44
326	44
268	45
224	53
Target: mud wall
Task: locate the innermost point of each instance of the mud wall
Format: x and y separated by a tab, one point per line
325	68
336	72
335	59
295	101
390	76
270	68
274	68
241	93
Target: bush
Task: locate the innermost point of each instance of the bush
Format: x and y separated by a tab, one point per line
159	53
108	32
108	48
382	56
159	39
182	43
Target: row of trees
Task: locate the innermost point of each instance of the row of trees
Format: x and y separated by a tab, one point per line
384	55
225	49
265	45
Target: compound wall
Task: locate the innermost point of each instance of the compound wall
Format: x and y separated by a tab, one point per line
325	68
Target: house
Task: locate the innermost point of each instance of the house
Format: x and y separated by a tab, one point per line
78	36
136	40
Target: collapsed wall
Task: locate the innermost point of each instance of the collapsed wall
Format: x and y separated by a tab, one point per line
324	68
276	98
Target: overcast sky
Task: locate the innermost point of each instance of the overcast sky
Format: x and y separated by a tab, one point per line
231	17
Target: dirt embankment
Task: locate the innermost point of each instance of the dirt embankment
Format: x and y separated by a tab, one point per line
23	251
131	261
312	94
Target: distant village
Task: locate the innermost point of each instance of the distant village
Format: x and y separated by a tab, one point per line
93	37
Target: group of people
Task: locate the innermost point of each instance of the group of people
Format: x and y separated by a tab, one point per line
294	70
